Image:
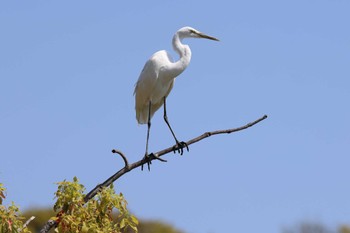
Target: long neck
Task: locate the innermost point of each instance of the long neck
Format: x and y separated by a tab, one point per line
184	52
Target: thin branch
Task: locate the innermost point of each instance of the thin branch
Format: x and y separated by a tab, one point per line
122	155
26	223
128	167
208	134
48	225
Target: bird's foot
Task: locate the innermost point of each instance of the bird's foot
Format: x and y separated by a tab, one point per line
179	147
148	159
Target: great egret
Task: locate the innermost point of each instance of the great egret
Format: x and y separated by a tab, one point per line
157	79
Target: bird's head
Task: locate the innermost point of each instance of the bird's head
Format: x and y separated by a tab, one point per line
189	32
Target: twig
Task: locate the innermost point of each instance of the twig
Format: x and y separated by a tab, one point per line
122	155
128	167
26	223
48	225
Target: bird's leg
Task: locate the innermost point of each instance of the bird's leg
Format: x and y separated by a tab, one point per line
179	145
147	157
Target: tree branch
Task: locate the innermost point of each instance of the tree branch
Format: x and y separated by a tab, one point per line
122	155
128	167
26	223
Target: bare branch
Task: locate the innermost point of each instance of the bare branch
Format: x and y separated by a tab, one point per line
128	167
48	225
208	134
122	155
26	223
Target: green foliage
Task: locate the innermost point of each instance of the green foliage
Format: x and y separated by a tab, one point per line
42	215
2	195
10	219
94	216
107	212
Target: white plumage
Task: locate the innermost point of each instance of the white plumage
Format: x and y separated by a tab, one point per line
154	84
157	79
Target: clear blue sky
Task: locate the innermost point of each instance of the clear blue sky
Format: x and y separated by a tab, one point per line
67	74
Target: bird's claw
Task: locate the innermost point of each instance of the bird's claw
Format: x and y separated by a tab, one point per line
179	147
148	159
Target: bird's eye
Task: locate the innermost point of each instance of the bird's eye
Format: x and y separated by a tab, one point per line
194	33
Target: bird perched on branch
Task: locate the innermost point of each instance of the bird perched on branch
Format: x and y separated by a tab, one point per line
156	81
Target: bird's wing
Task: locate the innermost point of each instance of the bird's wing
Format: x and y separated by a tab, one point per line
151	86
144	88
147	79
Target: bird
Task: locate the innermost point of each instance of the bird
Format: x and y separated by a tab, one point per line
156	81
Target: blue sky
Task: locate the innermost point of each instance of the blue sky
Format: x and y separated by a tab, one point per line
67	74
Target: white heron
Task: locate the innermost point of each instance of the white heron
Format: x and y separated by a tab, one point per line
157	79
